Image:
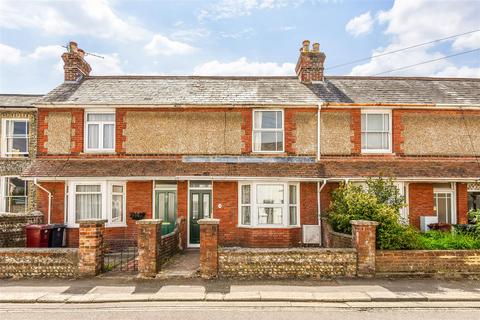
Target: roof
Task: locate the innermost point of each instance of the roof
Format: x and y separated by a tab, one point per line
191	90
18	100
398	90
176	90
64	168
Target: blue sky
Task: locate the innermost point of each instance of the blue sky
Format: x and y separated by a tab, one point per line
226	37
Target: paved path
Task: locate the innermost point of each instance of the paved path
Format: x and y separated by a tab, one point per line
64	292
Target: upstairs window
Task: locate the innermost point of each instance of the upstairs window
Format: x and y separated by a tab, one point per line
15	138
376	131
268	131
100	132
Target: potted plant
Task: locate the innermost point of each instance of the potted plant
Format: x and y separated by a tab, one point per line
137	215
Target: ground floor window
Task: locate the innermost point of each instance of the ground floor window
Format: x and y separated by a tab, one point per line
266	204
474	200
443	201
95	200
14	193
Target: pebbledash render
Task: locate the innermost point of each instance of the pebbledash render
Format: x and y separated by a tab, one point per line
261	154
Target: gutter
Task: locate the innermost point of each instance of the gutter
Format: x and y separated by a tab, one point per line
49	198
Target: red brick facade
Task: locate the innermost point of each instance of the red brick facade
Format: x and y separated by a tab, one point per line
420	202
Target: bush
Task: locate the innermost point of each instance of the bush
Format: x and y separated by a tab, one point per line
437	240
380	202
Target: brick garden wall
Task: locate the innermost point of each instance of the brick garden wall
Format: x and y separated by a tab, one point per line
170	243
38	263
428	262
332	239
12	228
290	263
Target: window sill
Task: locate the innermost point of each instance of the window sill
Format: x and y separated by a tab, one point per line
377	152
100	152
268	227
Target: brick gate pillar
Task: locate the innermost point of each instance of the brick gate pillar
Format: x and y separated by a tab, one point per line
364	240
90	248
209	247
149	237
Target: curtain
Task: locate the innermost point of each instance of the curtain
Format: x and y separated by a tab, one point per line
108	136
93	136
88	202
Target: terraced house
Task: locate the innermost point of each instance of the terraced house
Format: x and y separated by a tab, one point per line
262	154
18	132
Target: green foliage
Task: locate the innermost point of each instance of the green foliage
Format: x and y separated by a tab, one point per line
437	240
474	216
381	202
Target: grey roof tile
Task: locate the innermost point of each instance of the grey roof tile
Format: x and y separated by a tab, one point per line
18	100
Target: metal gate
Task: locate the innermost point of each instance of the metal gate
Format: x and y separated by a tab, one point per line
120	255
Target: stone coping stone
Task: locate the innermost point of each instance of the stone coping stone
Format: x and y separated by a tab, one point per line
208	221
21	215
150	221
364	223
286	250
39	250
427	252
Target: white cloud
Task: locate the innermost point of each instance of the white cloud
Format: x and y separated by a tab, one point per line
110	64
88	17
412	22
244	33
161	45
9	55
190	35
45	52
361	24
226	9
243	67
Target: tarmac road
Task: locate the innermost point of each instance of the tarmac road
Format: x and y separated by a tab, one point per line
243	310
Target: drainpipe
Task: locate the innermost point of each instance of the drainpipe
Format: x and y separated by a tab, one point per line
49	198
319	213
318	131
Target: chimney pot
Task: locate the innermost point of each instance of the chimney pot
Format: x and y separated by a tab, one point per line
306	45
316	47
73	46
81	53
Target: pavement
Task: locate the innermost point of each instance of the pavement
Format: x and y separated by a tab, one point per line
99	290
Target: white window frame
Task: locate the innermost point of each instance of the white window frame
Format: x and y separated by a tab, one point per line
3	189
3	147
390	133
101	124
268	130
106	192
254	206
453	192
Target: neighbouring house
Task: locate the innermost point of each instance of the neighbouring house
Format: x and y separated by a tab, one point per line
262	154
18	141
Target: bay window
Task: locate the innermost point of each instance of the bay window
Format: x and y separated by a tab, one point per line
100	131
268	131
15	137
376	131
268	204
95	200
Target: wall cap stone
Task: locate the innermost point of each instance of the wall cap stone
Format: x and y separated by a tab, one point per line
287	250
208	221
21	215
38	250
363	223
150	221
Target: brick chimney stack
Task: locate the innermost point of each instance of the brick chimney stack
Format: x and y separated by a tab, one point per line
310	63
75	65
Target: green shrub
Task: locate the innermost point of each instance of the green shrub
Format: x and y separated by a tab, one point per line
380	202
437	240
